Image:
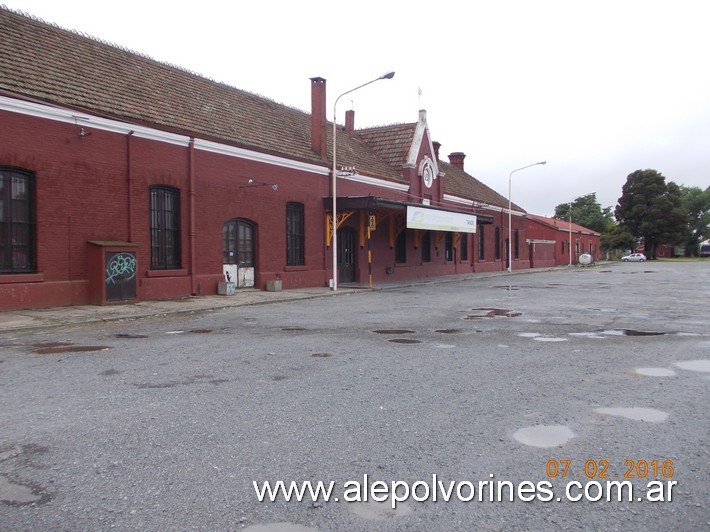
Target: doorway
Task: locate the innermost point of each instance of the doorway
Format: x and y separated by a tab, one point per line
238	252
346	255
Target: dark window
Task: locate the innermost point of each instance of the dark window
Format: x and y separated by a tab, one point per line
563	246
516	240
164	228
238	243
449	246
481	242
426	246
497	243
17	221
464	247
295	237
400	247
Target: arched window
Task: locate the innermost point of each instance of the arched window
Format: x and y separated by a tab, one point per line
238	243
18	221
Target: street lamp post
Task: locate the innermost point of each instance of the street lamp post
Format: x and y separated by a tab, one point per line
334	221
570	234
510	213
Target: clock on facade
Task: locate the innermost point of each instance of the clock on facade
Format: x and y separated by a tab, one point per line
428	175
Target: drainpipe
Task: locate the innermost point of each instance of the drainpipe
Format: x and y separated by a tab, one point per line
191	215
129	179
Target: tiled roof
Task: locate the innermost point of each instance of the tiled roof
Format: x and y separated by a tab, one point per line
561	225
43	62
459	183
392	143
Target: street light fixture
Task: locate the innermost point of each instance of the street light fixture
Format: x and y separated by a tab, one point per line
334	221
510	213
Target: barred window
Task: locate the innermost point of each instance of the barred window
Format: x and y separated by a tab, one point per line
18	221
481	242
165	228
295	234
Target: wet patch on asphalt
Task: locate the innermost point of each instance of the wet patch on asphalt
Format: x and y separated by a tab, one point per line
488	312
379	511
694	365
404	341
544	435
655	372
393	331
68	348
197	379
649	415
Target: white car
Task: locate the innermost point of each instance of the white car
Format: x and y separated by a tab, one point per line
634	257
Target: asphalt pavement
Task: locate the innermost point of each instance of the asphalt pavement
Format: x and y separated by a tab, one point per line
568	399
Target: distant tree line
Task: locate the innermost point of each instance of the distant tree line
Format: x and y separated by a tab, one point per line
649	212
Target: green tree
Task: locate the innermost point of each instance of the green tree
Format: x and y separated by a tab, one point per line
696	203
616	237
650	209
587	212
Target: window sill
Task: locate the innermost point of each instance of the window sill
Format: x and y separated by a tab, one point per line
166	273
8	278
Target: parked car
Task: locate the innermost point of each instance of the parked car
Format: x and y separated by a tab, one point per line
634	257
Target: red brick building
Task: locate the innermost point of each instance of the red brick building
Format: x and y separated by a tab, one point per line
122	179
548	241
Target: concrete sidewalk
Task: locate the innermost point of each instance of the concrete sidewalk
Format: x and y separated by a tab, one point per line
44	318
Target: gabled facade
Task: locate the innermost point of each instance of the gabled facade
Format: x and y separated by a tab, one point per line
122	179
553	242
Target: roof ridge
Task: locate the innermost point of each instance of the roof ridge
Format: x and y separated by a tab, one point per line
142	55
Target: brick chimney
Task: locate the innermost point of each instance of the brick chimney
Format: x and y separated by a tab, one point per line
436	145
318	118
456	159
349	121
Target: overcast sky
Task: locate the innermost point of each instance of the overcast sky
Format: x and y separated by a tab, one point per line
598	89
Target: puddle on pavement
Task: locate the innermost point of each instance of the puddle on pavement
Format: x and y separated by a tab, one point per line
201	331
394	331
131	336
544	435
280	527
492	313
404	341
379	511
540	338
655	372
293	329
175	332
448	331
445	346
694	365
651	415
16	494
50	344
70	349
631	332
321	355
